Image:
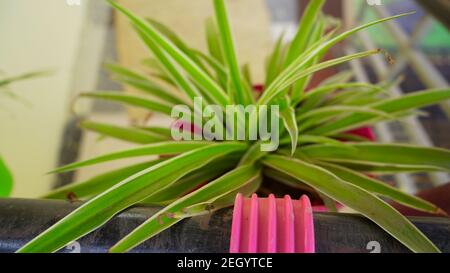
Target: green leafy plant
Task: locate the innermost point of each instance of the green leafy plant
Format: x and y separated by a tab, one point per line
311	155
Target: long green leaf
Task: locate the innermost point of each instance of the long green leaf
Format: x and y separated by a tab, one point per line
308	139
299	43
154	90
99	183
326	89
320	115
160	148
288	117
316	34
212	39
189	66
229	53
132	100
386	169
167	132
356	198
221	71
6	180
193	181
313	101
158	71
134	135
339	78
275	61
176	40
124	72
333	111
286	179
314	68
26	76
378	187
132	190
164	218
394	105
304	59
382	155
170	68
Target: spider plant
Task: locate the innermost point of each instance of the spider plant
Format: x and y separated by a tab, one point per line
312	152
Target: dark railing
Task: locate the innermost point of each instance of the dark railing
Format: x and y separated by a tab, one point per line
21	220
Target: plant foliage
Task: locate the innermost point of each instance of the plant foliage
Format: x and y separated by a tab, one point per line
311	151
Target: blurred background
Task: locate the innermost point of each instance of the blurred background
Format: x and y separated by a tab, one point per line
74	38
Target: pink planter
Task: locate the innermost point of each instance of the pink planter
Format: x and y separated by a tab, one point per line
270	225
365	132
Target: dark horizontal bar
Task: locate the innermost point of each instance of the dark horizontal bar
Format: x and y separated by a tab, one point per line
23	219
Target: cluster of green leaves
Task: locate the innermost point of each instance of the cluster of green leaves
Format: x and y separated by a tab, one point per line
312	153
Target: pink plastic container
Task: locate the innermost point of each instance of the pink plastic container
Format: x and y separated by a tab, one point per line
271	225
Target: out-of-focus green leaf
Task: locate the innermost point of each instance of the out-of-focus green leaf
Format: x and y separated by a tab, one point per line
221	71
212	39
134	135
26	76
160	148
132	100
275	62
123	72
300	41
176	40
6	180
154	90
170	68
167	132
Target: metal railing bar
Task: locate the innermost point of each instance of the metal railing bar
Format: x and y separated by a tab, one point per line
401	61
425	70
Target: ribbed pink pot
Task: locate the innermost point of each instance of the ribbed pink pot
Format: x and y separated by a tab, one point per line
271	225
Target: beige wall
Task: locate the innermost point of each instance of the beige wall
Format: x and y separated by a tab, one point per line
36	35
